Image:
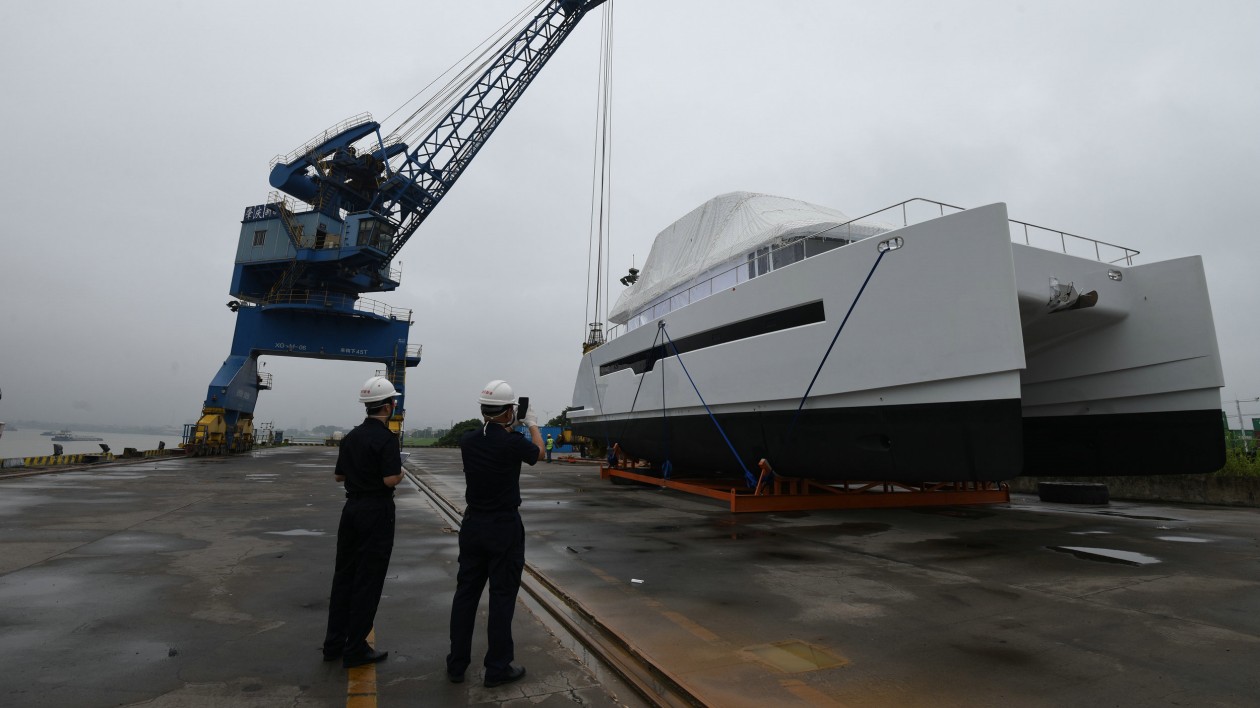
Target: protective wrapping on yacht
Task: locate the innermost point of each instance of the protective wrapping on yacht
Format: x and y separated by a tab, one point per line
889	349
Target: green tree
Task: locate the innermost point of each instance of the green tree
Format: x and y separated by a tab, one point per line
451	438
562	420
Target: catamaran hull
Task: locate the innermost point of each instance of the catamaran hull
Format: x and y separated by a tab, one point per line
949	367
974	440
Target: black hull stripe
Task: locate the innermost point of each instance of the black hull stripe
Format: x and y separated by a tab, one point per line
964	441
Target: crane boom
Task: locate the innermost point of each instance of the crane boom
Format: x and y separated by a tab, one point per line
433	167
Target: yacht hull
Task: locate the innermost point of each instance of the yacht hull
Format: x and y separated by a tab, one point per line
949	366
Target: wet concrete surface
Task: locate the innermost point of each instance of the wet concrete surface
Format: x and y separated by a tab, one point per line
953	606
204	582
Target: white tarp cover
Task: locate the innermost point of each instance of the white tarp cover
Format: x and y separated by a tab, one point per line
726	227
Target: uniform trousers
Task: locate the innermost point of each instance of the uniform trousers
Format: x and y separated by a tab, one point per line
491	548
365	541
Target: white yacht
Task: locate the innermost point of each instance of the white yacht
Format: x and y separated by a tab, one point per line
980	349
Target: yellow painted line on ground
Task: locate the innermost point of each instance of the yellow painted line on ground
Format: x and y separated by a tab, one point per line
686	623
810	695
361	682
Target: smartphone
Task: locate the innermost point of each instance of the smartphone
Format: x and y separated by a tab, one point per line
522	407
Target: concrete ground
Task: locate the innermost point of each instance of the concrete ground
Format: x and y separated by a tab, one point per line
204	582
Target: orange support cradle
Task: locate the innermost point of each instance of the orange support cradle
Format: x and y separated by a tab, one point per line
774	493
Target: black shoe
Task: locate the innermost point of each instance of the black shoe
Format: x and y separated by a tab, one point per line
371	657
514	674
455	678
332	655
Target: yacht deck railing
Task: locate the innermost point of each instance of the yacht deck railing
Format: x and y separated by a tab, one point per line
912	211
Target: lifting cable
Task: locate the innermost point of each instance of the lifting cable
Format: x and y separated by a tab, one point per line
748	476
425	118
612	456
597	255
642	376
666	465
600	239
882	252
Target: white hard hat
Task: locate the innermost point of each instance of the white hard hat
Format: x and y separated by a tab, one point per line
497	393
377	388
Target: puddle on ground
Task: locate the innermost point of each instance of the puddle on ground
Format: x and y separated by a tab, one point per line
297	532
136	543
1107	555
1136	516
1182	539
796	656
1090	533
105	475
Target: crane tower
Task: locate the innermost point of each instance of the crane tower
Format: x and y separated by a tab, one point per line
345	203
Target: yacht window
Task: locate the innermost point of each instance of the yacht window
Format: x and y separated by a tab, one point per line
759	262
726	279
822	244
638	362
660	310
789	254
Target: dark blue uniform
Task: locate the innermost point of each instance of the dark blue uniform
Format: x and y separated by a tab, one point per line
365	536
491	545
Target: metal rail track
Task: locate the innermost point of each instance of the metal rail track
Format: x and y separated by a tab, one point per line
608	654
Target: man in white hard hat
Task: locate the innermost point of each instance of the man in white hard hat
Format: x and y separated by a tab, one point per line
492	537
370	464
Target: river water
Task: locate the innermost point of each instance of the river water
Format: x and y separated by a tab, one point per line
28	442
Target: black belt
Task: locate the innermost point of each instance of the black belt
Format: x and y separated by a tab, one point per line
370	495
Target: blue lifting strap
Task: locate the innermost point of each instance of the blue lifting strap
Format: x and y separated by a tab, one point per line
748	476
639	387
612	456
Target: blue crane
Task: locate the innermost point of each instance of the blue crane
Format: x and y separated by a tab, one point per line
346	203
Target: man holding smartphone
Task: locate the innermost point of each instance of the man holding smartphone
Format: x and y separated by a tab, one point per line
492	537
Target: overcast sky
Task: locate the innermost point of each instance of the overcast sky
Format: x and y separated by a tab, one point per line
137	132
